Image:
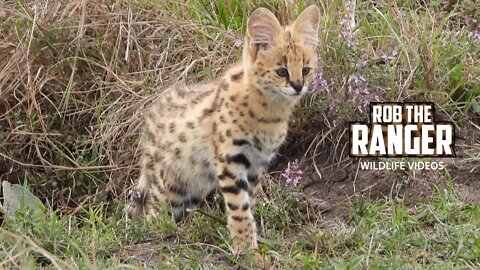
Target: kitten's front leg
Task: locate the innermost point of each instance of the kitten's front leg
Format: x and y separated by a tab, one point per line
237	195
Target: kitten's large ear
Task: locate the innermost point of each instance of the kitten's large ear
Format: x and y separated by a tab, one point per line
305	28
263	29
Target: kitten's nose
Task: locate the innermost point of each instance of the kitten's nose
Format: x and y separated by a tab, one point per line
297	85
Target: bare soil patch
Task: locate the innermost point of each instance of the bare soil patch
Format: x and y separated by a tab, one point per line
338	179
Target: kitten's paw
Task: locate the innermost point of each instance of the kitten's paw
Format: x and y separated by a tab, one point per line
263	261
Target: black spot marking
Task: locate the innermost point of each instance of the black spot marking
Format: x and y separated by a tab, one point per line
252	178
240	142
150	136
157	184
181	92
239	158
195	200
260	92
223	86
201	96
245	206
222	119
155	197
242	184
190	125
182	137
233	206
228	133
177	107
178	152
150	115
271	120
221	139
257	143
226	173
230	189
215	149
207	112
238	76
240	231
150	164
178	190
239	219
265	120
171	127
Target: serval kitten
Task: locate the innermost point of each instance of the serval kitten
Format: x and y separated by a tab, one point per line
222	135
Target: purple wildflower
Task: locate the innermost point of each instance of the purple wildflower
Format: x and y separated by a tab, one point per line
361	108
293	173
366	103
356	78
333	112
363	90
347	24
319	83
238	42
475	35
357	87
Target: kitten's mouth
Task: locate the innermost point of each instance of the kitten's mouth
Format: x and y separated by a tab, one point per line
292	97
285	93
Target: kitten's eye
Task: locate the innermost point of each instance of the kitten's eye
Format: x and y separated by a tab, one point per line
282	72
305	71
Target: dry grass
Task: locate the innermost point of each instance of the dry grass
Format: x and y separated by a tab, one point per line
74	81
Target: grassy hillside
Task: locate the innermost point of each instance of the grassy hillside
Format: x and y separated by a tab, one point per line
76	75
